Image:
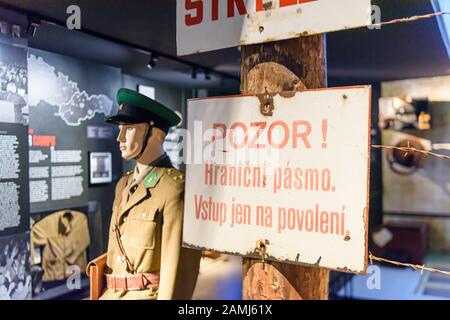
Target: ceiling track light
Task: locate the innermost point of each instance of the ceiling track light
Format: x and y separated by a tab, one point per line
154	58
151	65
207	75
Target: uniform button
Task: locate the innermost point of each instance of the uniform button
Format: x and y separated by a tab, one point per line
115	207
124	219
122	238
144	215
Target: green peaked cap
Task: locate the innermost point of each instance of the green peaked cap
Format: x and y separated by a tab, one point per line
138	108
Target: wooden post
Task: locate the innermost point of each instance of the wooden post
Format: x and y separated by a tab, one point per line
288	65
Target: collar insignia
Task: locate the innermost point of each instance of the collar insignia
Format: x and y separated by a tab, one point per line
151	179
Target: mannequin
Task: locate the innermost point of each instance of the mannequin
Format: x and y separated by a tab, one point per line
145	257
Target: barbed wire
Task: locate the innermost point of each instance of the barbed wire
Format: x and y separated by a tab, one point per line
409	19
411	149
409	265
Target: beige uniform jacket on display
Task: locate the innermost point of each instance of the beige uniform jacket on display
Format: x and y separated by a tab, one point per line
65	237
149	215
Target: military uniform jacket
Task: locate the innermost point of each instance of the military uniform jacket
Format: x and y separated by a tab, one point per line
150	220
65	237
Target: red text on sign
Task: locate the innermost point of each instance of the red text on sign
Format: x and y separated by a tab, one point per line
278	134
196	9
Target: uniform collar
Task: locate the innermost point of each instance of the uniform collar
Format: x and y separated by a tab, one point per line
162	161
139	175
148	180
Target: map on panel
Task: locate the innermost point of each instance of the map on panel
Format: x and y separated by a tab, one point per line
74	105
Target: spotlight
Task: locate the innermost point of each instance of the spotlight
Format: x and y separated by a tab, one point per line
151	65
154	57
153	60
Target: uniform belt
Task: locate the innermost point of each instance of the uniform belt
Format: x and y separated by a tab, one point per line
131	282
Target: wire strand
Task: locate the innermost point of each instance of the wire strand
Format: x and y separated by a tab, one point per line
413	266
411	149
413	18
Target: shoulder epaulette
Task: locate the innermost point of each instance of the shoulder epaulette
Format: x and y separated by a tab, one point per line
175	174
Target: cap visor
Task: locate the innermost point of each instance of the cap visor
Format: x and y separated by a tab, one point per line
121	118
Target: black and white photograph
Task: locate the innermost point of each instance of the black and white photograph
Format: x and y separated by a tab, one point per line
15	278
100	167
13	85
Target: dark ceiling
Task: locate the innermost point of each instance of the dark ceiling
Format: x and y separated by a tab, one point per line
398	51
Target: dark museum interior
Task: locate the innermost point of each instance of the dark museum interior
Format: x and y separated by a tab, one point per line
61	161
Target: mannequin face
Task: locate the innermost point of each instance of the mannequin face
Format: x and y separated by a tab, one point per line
131	139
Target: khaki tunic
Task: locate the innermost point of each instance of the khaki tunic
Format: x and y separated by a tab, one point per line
150	222
65	237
